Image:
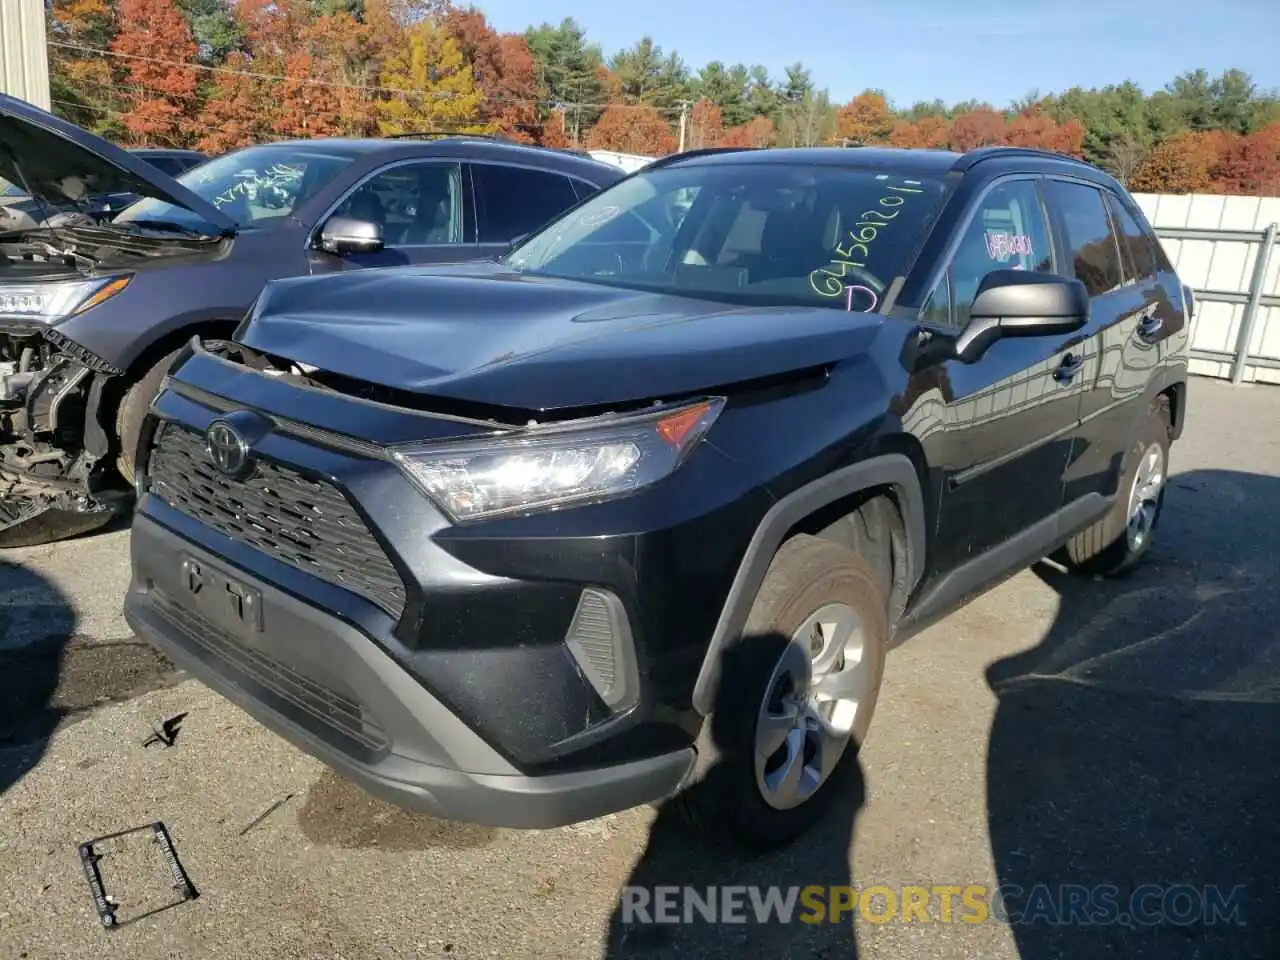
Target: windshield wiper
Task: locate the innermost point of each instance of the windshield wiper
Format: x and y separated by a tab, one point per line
166	226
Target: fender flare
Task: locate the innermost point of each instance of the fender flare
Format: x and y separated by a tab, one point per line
892	470
1161	382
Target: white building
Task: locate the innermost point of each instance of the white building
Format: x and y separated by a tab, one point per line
24	61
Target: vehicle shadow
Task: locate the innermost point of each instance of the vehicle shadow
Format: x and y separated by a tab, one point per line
1134	764
36	622
675	857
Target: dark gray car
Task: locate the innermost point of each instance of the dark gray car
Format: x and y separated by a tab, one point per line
91	314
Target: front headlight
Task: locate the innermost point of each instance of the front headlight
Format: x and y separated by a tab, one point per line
548	467
57	300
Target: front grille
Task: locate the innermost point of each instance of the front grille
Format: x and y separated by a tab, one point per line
341	719
305	523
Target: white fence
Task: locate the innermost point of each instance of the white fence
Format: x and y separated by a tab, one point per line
1224	247
24	69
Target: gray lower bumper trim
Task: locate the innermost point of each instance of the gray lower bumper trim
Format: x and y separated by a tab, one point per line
435	763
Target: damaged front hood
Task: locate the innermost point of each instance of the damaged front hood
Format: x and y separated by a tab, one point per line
481	334
59	163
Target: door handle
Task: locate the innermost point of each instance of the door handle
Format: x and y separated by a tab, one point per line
1148	327
1068	368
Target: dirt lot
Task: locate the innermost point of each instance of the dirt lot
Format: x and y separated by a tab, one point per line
1055	731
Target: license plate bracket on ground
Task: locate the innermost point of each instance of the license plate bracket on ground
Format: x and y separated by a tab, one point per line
92	852
223	600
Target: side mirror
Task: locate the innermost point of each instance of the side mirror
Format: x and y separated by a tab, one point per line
342	235
1020	303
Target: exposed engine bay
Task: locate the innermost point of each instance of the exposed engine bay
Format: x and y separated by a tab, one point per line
56	461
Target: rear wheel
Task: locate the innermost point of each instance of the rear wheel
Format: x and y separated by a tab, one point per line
1119	540
796	697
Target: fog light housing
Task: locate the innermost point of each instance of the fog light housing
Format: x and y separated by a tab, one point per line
599	638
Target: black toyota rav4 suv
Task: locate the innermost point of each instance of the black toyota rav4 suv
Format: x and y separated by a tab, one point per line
633	513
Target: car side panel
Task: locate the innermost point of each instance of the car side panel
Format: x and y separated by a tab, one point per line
163	297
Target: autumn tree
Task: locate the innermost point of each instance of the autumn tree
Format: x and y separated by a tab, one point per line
433	87
553	132
865	119
305	108
632	129
756	132
341	51
504	72
1250	166
233	115
80	78
705	125
156	45
979	127
929	132
1035	128
1181	164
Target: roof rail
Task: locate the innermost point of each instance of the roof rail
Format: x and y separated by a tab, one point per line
975	156
444	135
703	152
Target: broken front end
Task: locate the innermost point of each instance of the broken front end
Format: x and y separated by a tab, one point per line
56	478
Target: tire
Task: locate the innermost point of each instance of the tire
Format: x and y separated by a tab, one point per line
134	406
1112	545
730	798
133	410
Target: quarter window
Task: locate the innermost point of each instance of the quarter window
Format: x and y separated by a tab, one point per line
1135	245
1007	232
1094	252
415	203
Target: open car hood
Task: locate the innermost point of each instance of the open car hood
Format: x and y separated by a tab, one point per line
60	163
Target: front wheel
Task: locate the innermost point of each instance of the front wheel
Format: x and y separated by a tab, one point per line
796	696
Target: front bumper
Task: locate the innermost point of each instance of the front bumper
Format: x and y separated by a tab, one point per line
330	690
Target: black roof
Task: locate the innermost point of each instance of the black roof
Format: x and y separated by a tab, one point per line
461	146
921	162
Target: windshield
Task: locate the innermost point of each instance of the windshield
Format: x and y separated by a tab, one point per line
254	186
766	234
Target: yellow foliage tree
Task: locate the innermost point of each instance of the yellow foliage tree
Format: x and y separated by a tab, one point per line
436	90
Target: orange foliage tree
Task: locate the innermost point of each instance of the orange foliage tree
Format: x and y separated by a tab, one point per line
756	132
504	73
235	113
152	37
980	127
933	133
553	132
305	108
865	119
1035	128
705	125
1251	165
632	129
1183	163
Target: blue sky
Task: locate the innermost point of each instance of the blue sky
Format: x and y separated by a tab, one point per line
953	49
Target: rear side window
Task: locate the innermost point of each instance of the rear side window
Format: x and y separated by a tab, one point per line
1135	246
1094	251
511	201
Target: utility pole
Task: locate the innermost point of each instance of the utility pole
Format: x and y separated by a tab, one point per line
684	118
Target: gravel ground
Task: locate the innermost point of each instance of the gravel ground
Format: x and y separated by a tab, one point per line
1053	732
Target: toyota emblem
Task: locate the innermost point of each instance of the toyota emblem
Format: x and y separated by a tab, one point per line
226	448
